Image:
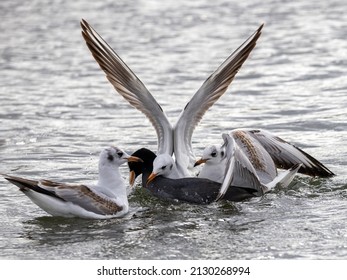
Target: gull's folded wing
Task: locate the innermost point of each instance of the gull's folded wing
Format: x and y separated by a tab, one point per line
79	195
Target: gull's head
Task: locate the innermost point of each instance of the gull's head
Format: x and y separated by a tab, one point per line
162	166
137	168
211	155
113	156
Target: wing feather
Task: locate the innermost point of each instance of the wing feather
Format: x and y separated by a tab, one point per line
239	171
83	196
79	195
285	155
210	91
129	86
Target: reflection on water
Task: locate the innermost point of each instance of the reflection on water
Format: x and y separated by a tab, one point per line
57	111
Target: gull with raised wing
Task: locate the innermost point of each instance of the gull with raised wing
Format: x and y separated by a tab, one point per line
265	151
171	139
104	200
248	165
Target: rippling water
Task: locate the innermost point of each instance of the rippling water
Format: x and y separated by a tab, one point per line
57	112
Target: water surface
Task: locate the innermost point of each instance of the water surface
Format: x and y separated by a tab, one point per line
58	111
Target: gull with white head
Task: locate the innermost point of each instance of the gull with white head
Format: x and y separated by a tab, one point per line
253	156
106	199
171	139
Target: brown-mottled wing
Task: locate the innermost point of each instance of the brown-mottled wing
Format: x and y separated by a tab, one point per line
239	170
285	155
80	195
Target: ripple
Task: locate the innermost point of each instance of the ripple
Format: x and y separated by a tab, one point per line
57	111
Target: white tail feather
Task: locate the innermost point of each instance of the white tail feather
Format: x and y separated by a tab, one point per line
283	179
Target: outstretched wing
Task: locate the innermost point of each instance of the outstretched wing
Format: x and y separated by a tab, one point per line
129	86
239	171
285	155
210	91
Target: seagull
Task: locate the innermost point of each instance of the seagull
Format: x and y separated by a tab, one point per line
191	189
214	160
265	151
104	200
174	139
251	165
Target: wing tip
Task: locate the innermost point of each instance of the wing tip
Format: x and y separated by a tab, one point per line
261	27
22	183
318	171
84	25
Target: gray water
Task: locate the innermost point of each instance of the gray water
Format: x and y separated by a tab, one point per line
58	111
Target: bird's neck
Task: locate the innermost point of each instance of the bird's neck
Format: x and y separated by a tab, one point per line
175	174
213	171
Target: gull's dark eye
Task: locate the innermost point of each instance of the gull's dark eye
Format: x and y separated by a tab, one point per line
214	154
163	167
222	153
120	154
110	157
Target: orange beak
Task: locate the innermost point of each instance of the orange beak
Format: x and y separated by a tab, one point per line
134	159
200	161
131	178
151	177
